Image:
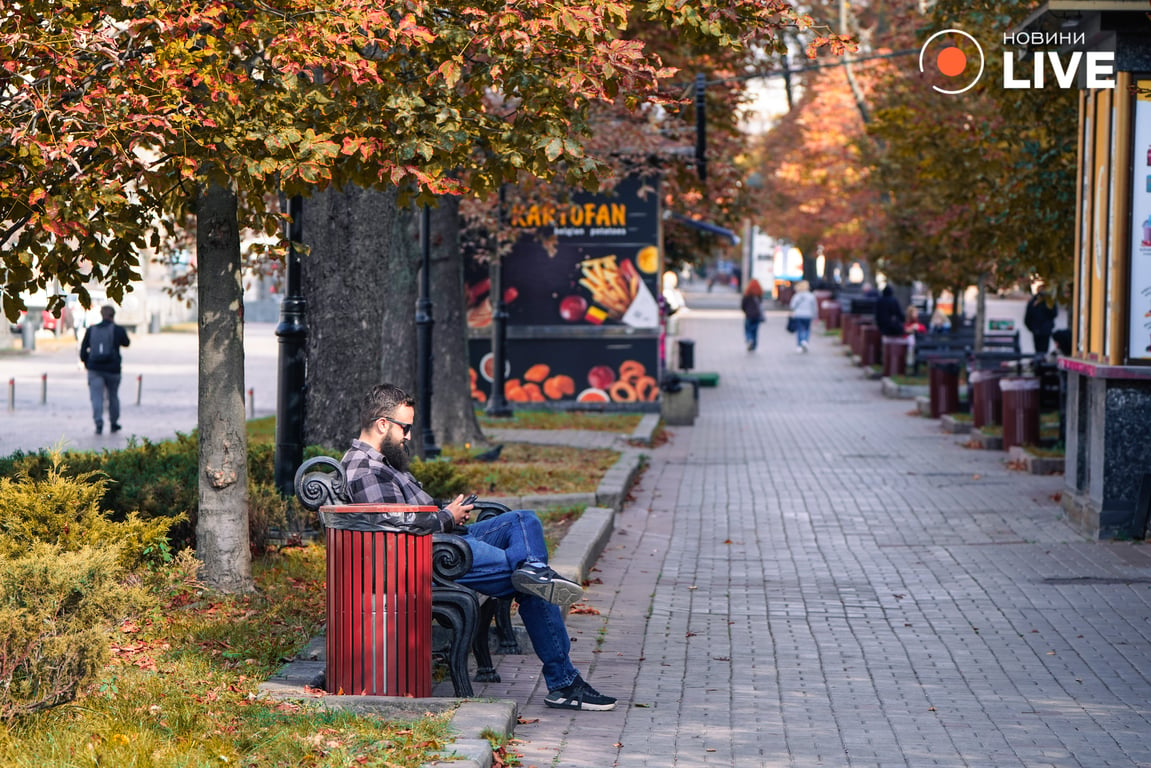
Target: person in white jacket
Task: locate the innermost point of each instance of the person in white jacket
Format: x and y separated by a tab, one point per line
803	310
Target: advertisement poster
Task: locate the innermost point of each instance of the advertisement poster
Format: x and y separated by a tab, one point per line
1139	331
591	371
583	314
603	270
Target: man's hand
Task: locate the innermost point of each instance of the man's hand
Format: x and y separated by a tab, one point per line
459	509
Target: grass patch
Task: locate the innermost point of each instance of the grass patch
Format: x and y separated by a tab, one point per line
992	430
961	417
597	422
527	469
1054	452
557	521
180	689
910	381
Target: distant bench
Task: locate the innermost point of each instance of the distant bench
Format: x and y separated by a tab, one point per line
959	346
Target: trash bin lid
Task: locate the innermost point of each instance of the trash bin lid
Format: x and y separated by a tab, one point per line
401	518
1018	383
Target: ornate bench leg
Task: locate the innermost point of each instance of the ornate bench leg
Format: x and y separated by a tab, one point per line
485	669
457	612
504	628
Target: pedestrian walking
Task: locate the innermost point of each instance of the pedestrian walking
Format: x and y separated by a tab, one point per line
1039	318
888	314
100	353
803	310
752	313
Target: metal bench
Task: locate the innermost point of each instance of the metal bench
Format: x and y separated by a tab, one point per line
464	613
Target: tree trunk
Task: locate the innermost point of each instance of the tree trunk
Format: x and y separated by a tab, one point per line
453	413
359	284
222	524
980	311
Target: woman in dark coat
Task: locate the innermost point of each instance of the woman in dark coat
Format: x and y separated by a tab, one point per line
888	314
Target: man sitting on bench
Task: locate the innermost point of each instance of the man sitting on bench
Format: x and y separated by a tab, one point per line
509	556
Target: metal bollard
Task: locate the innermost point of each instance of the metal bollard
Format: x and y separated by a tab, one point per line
43	389
11	394
251	403
139	387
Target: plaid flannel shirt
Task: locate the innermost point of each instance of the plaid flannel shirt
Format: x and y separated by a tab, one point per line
371	480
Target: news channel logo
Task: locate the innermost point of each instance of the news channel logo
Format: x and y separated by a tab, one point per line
955	55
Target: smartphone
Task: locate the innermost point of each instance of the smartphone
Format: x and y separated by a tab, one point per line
469	500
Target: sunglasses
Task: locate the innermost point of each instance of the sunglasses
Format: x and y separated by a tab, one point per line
407	428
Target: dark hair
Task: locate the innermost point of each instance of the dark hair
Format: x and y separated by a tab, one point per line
382	400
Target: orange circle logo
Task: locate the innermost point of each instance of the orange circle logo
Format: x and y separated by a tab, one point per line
952	61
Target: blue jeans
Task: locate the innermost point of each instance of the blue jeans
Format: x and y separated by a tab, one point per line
98	382
802	329
500	545
751	331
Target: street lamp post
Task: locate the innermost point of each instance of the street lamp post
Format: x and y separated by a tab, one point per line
292	333
424	324
497	406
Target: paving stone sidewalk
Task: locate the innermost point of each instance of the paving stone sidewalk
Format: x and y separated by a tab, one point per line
810	576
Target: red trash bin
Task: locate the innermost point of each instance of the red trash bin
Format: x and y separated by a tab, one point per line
379	603
943	387
986	398
895	355
847	323
869	345
1020	410
831	314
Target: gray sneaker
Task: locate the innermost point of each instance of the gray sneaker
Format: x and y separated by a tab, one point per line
544	583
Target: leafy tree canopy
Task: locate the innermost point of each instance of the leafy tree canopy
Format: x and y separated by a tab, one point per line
114	116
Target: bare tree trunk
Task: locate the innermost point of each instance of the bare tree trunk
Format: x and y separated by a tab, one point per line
222	524
453	413
980	311
359	282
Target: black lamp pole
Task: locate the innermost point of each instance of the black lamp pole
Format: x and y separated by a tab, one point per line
424	323
293	334
497	406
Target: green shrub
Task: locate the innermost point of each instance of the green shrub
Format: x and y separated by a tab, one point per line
56	611
64	511
66	579
440	479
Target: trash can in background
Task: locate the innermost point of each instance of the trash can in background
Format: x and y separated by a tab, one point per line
986	398
832	314
679	400
943	387
869	346
1020	410
686	354
895	355
379	603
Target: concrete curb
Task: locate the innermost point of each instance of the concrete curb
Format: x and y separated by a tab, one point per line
583	543
644	432
948	423
618	480
902	391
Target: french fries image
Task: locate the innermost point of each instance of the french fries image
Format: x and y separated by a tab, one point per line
613	286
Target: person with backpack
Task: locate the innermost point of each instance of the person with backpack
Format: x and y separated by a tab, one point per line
100	353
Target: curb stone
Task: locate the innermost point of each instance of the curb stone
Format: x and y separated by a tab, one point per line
901	391
949	423
614	486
